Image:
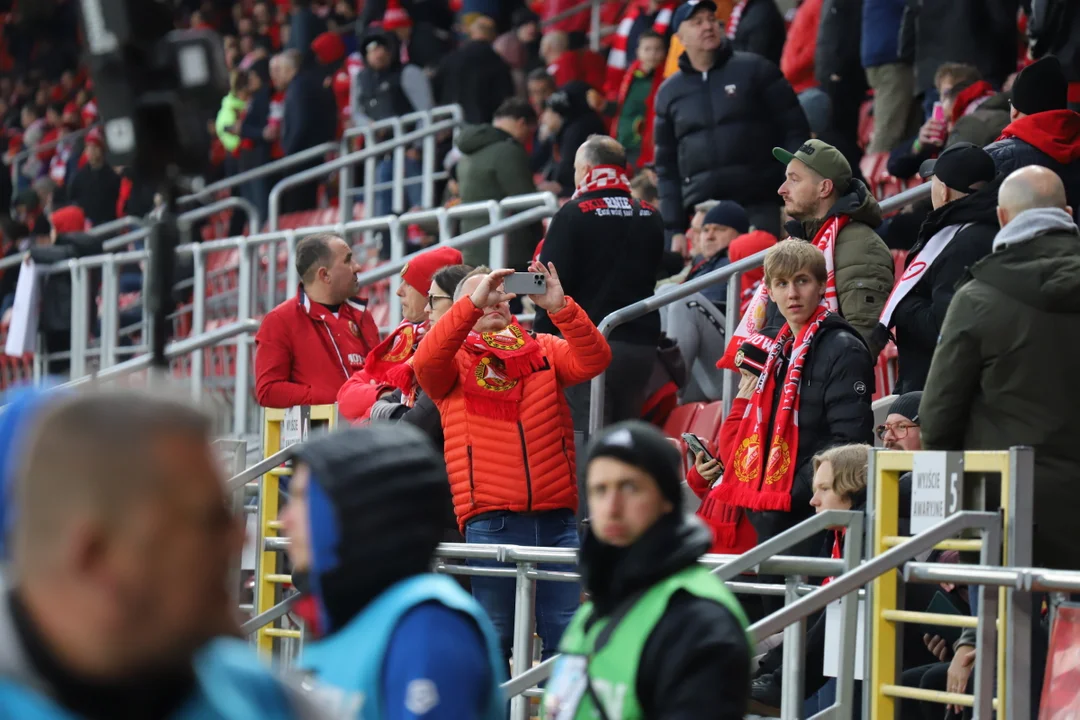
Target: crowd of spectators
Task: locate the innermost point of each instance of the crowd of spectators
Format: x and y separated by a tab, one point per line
710	132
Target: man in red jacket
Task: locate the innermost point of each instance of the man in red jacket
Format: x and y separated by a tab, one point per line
309	345
389	365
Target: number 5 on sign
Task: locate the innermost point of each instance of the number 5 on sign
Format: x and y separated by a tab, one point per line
937	488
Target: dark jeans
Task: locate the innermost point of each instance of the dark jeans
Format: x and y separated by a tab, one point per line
556	602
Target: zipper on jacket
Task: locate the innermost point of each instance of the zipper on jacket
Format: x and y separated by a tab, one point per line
341	360
472	483
525	461
712	118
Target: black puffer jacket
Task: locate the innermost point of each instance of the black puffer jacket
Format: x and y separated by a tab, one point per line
761	30
1058	132
978	32
834	409
918	318
1054	29
715	132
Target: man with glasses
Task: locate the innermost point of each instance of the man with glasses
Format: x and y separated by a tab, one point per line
901	428
387	367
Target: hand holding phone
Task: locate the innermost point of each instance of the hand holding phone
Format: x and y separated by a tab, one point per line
696	445
525	283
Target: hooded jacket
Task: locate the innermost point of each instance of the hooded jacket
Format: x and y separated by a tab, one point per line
1050	139
697	655
713	129
864	266
1005	368
918	318
56	298
984	124
494	166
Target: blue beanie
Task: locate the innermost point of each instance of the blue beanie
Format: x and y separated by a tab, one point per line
729	214
16	417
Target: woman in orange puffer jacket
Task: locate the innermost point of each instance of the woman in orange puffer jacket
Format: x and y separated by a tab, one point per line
509	440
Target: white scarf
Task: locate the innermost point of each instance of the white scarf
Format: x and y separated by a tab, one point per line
918	267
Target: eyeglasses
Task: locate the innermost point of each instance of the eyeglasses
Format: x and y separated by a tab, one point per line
432	298
899	431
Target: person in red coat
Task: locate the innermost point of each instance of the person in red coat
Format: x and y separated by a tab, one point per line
797	60
329	50
389	365
309	345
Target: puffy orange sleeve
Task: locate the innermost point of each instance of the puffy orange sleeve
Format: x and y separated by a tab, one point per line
357	395
582	353
436	368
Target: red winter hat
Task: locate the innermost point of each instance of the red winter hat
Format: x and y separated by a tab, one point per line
422	266
71	109
395	16
68	220
328	48
94	138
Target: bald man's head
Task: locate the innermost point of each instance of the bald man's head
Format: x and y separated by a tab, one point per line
1030	188
554	44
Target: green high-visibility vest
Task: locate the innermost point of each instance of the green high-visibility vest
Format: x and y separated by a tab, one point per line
585	675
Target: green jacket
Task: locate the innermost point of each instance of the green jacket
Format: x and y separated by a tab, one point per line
1004	372
495	166
232	108
864	266
984	125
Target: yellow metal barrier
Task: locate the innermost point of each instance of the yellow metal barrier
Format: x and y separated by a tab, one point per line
884	615
267	577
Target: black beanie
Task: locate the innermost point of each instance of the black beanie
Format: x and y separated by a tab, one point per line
377	503
640	444
907	405
1040	87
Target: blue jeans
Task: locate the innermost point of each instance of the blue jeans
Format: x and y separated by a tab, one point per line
556	602
384	173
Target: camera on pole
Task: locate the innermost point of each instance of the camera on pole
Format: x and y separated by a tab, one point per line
157	89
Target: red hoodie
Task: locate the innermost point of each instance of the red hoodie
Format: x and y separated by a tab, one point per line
1054	132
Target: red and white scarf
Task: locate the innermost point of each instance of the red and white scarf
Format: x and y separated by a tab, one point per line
917	268
753	320
735	18
603	177
390	361
618	61
761	470
499	363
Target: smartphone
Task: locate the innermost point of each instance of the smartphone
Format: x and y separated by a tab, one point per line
696	445
525	283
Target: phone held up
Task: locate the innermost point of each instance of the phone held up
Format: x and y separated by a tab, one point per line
525	283
697	446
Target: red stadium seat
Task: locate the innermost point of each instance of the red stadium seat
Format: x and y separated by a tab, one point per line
706	424
681	418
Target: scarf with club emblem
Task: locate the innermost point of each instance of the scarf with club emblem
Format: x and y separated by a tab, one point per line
498	365
390	361
761	471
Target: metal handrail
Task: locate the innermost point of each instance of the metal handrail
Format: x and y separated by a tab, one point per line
845	584
258	469
172	351
103	229
264	619
349	160
270	168
651	304
1021	579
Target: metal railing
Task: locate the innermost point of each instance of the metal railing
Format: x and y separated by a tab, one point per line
731	274
397	145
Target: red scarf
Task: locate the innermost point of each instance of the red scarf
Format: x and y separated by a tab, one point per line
648	146
391	360
498	365
604	177
735	18
973	93
762	469
1054	132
